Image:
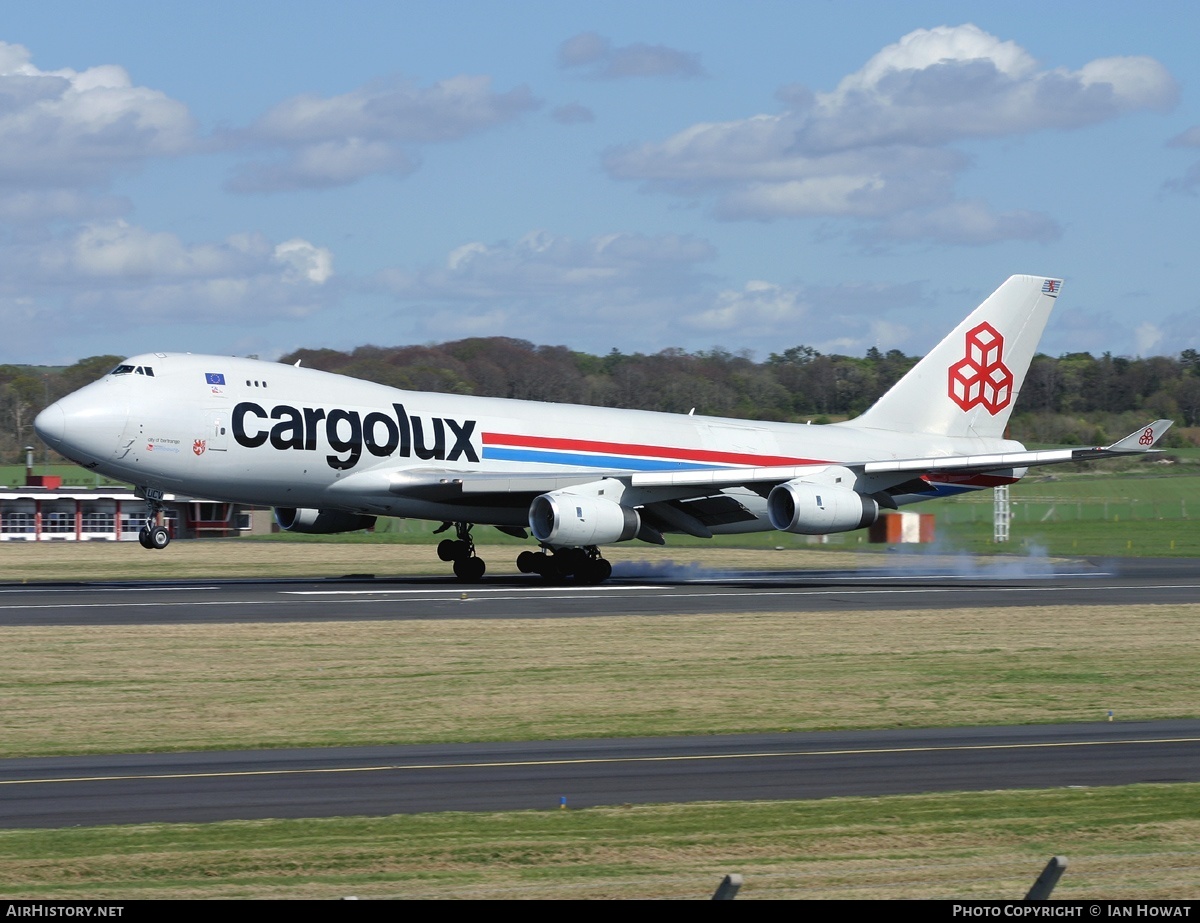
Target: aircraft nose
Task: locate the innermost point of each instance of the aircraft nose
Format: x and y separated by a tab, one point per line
51	424
85	426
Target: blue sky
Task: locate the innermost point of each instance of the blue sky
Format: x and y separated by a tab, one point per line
253	178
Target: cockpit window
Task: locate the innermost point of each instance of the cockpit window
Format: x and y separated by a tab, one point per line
133	370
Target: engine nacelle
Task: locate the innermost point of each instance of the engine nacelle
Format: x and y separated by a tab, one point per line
320	522
814	509
565	519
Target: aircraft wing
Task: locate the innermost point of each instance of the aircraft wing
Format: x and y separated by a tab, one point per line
1140	441
656	487
485	488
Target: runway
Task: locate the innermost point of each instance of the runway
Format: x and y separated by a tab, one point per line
644	590
201	787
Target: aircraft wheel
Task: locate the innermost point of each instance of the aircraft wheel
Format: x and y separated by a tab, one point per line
597	570
527	562
469	570
450	549
159	538
144	538
570	561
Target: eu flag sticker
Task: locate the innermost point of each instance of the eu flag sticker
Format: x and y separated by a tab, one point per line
214	378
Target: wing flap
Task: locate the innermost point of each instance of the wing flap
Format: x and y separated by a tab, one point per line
428	484
723	477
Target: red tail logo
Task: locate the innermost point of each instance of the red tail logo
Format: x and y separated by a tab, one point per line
981	377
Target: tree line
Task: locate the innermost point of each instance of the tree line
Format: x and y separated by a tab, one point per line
1074	399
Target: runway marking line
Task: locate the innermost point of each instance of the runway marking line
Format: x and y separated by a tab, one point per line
454	594
597	760
464	588
102	588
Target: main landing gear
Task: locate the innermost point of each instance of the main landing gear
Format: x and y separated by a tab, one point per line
467	567
583	564
152	535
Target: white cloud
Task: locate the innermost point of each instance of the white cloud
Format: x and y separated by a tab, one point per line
590	50
1088	329
321	165
878	144
69	128
848	318
397	111
1148	337
618	287
757	307
333	141
635	292
969	222
541	265
118	250
304	261
944	84
112	273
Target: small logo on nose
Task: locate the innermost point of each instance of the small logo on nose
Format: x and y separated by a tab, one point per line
199	446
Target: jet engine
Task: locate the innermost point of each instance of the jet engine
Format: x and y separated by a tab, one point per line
814	509
320	522
565	519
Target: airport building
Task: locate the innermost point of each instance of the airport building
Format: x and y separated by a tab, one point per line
43	510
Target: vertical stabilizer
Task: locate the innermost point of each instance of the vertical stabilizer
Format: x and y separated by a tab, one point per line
967	385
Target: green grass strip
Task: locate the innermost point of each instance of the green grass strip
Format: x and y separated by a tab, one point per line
1137	841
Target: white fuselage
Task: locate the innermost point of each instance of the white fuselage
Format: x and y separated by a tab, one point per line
247	431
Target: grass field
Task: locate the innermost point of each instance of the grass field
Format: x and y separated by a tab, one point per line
187	687
1134	841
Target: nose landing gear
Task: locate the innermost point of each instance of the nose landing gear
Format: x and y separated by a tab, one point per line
152	535
155	538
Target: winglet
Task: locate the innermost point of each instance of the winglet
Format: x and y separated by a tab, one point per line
1142	440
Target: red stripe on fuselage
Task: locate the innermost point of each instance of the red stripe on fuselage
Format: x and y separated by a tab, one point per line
652	451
